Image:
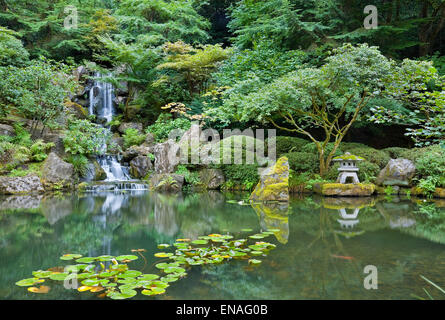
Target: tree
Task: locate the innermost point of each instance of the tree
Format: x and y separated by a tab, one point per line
157	21
37	91
330	98
193	65
12	51
422	90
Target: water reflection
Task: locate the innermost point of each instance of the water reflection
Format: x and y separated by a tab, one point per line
323	244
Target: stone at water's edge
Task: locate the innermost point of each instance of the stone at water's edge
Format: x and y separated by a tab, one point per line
55	171
166	182
398	172
20	185
345	190
140	167
274	183
212	178
438	193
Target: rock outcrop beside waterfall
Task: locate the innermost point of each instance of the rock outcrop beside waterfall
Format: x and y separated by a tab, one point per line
57	173
166	156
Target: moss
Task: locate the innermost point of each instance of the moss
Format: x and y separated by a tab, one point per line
348	157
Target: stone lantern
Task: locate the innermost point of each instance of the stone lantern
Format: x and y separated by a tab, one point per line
348	167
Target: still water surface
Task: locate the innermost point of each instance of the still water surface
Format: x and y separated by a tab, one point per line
322	249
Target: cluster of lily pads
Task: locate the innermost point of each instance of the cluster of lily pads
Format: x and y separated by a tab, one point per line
118	281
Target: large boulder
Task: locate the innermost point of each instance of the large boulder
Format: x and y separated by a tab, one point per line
55	171
130	125
166	156
140	167
274	183
166	182
345	190
398	172
135	151
20	185
212	179
94	172
6	130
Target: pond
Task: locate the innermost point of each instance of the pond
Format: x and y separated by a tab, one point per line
323	244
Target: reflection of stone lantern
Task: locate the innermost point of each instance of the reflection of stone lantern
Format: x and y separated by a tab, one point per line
348	167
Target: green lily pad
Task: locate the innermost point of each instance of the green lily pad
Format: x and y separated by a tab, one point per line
105	258
41	274
130	274
126	257
125	294
148	277
59	276
254	261
86	260
70	256
163	246
200	242
256	253
246	230
28	282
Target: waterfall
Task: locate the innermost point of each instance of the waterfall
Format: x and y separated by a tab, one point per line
101	99
112	167
101	105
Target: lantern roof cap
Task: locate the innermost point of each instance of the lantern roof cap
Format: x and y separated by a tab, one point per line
348	156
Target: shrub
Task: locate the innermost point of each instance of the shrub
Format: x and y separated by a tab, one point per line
39	150
289	144
80	163
372	155
165	124
395	152
303	161
240	145
189	177
241	175
85	137
132	137
346	146
22	136
430	165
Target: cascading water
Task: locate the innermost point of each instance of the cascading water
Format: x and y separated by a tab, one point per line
101	105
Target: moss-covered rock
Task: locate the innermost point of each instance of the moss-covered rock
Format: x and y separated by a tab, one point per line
274	183
345	190
439	193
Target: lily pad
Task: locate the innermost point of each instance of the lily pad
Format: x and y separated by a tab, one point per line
148	277
254	261
126	257
28	282
86	260
200	242
163	246
59	276
163	255
70	256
